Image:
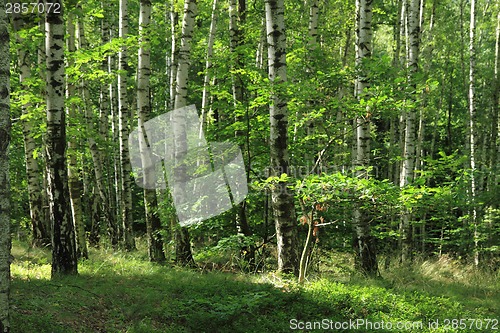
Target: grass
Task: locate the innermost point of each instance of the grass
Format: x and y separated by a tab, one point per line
122	292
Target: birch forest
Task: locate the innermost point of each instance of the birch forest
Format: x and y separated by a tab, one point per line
249	166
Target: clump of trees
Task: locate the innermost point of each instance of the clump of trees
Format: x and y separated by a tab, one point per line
364	127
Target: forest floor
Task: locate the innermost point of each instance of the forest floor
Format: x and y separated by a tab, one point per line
122	292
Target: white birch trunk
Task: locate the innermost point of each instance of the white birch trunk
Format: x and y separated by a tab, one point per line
182	240
5	132
408	165
472	127
493	176
174	54
64	259
364	247
74	182
115	190
261	48
282	199
313	26
153	224
208	66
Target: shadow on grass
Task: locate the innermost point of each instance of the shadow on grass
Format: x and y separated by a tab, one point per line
170	300
117	292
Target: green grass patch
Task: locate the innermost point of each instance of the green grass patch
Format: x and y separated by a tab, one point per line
122	292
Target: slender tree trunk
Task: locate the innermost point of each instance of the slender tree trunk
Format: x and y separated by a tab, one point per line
493	175
282	199
364	246
313	25
124	116
174	53
182	239
208	66
107	194
74	171
116	190
472	127
153	223
5	132
99	160
64	259
408	165
261	48
306	251
237	18
40	236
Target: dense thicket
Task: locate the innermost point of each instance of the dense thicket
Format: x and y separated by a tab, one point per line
368	127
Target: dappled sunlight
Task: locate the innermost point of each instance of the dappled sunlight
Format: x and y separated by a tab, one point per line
119	291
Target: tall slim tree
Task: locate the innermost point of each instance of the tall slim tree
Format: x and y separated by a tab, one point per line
74	170
124	116
364	246
237	18
208	66
114	186
153	223
408	165
64	260
4	172
472	127
108	193
493	177
174	53
282	200
182	240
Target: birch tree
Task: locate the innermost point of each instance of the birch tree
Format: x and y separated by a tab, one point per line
364	246
107	194
5	132
64	260
493	177
174	53
182	240
282	199
237	18
153	224
408	165
74	170
472	127
208	66
95	140
116	190
124	116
